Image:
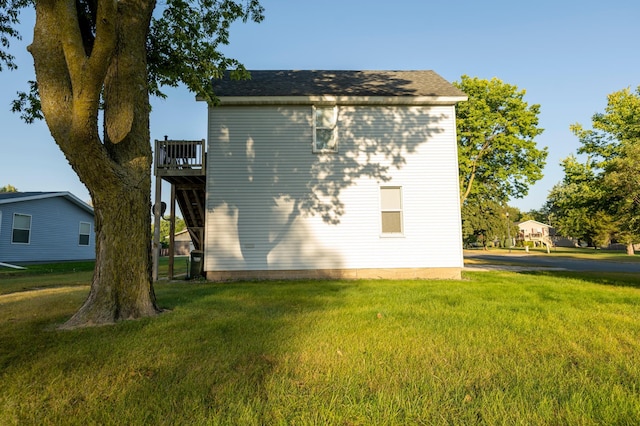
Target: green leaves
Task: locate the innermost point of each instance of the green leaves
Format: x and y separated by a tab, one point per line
183	44
9	14
600	198
497	151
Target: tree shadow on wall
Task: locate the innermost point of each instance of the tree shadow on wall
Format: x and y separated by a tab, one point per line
265	175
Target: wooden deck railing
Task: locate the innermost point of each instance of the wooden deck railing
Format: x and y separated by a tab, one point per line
179	157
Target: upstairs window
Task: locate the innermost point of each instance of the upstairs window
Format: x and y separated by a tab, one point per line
391	210
85	232
325	138
21	229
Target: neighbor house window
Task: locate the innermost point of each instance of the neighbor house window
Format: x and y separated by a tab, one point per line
391	209
85	231
325	138
21	229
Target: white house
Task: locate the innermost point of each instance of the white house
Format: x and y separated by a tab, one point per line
536	232
45	226
348	174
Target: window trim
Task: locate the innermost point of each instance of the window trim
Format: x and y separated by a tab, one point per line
333	128
400	210
80	234
13	228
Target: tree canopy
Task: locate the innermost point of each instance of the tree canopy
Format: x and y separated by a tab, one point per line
599	199
8	188
497	151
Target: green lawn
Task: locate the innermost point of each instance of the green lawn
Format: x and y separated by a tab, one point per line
494	348
567	252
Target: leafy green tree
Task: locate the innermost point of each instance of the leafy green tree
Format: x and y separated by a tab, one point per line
621	182
8	188
96	61
485	221
497	151
541	215
575	204
165	229
614	145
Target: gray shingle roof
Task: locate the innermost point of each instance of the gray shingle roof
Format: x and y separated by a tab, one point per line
338	83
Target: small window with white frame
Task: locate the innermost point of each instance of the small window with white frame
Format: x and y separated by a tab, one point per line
391	210
21	232
325	134
85	233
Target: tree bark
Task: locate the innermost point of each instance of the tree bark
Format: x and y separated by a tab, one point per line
630	249
116	169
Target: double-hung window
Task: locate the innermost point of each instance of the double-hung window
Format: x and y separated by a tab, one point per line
85	232
21	233
391	210
325	135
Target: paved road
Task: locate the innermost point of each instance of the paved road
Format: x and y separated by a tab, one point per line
549	262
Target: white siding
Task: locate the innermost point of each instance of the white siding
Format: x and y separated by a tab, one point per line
274	205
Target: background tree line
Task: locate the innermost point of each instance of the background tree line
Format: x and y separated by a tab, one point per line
598	200
498	157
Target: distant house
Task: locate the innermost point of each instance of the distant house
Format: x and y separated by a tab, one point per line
45	226
537	232
346	174
182	243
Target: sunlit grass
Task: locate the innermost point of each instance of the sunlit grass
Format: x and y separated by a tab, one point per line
566	252
495	348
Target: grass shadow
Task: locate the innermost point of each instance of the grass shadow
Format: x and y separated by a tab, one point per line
217	342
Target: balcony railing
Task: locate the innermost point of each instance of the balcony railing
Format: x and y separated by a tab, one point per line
174	157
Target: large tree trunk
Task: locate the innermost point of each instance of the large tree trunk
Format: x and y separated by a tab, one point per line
71	75
630	250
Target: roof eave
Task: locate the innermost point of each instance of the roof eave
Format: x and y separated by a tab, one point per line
340	100
75	200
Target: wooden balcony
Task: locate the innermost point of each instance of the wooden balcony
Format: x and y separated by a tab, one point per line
179	158
182	163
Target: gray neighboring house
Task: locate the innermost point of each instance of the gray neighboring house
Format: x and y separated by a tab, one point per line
183	244
45	226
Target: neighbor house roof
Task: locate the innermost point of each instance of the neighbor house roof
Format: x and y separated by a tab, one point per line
15	197
533	222
341	85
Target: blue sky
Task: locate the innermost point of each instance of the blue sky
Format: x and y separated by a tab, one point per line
568	55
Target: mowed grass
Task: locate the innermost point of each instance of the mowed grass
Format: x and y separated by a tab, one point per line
562	252
494	348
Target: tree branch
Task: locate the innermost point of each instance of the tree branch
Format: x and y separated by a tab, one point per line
474	166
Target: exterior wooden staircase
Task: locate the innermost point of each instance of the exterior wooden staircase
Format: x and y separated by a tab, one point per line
191	200
183	164
542	239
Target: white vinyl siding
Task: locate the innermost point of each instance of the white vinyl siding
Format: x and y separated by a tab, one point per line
273	205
